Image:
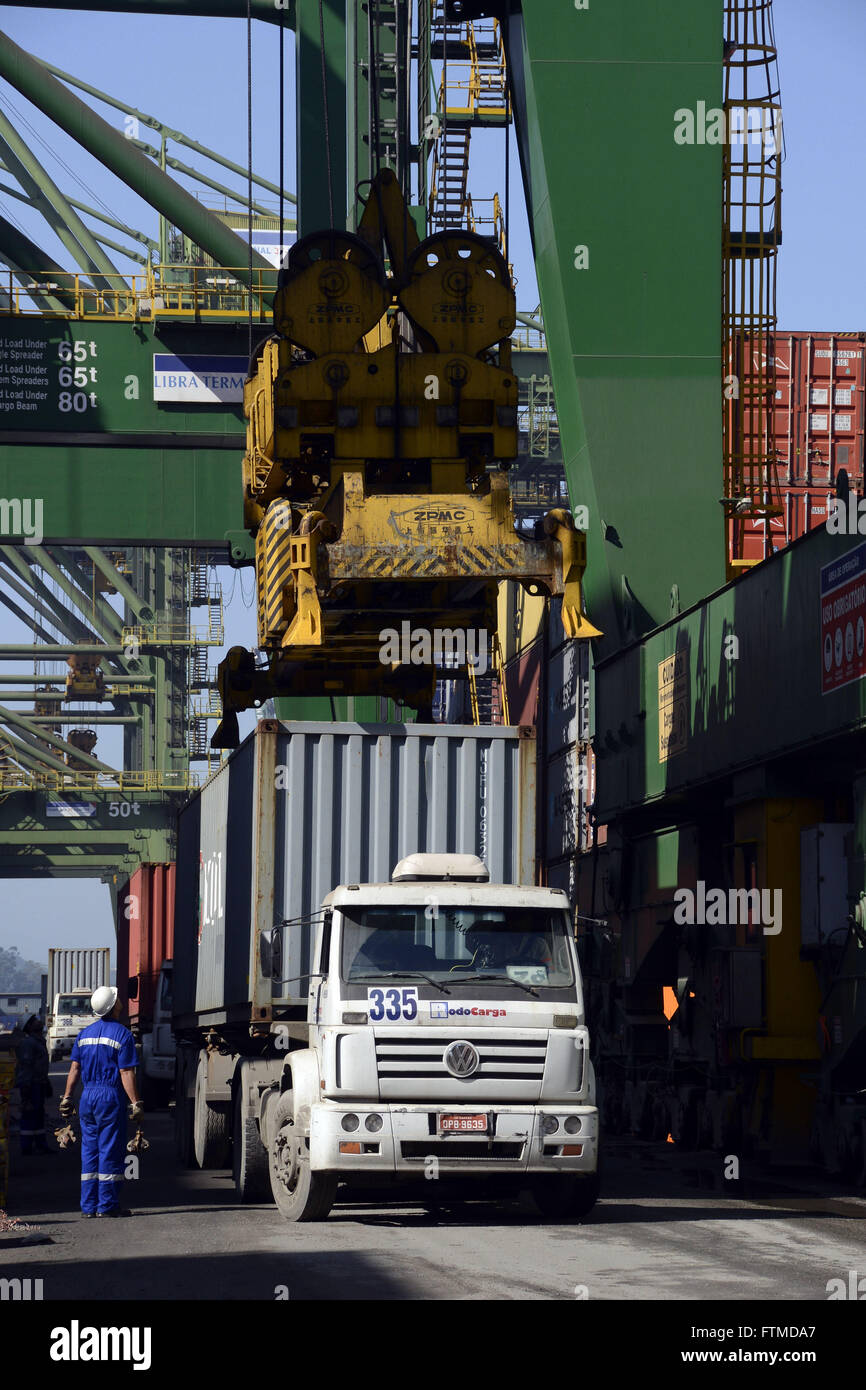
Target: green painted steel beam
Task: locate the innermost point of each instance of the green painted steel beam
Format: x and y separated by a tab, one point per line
166	131
170	496
266	10
142	611
124	250
33	679
59	617
626	228
83	718
61	217
27	261
119	155
321	107
24	617
205	179
33	757
7	192
23	726
21	651
108	624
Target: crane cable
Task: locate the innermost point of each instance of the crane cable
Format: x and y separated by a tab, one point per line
250	174
282	136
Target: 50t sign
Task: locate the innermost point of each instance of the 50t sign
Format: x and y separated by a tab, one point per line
76	374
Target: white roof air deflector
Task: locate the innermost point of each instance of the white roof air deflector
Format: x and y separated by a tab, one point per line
442	867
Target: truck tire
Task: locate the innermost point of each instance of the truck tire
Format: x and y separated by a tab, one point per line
565	1198
249	1155
300	1194
210	1127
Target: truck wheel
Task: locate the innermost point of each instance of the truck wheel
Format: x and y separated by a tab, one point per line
566	1198
300	1194
210	1129
249	1156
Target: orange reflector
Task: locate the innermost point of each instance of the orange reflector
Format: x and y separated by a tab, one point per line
350	1148
669	1003
572	1150
670	1139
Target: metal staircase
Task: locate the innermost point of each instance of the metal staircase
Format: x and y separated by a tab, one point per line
472	91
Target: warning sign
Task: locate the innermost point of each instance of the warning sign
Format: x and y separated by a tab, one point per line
843	620
673	706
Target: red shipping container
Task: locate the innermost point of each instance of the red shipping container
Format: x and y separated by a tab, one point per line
803	509
820	427
522	674
145	934
820	404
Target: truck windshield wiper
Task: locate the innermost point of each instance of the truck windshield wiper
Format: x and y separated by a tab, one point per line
401	975
521	984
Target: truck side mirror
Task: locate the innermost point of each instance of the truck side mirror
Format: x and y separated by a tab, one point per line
132	987
265	955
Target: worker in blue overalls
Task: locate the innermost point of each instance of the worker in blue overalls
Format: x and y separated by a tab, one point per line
104	1056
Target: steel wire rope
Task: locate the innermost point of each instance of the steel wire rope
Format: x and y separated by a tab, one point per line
282	154
250	175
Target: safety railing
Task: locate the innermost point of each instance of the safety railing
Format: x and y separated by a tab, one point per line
164	291
19	779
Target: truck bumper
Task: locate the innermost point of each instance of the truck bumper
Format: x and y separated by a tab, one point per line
409	1141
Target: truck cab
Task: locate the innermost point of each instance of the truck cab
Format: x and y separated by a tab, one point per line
446	1038
70	1013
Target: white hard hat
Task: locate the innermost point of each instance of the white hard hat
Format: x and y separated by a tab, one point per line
103	1000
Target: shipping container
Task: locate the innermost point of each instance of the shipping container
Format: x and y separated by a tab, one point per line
819	422
76	967
803	509
301	808
522	680
145	936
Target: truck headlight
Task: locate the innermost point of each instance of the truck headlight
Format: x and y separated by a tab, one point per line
549	1124
350	1123
373	1123
572	1125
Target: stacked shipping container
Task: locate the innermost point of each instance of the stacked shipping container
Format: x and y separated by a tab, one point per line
145	935
819	429
548	682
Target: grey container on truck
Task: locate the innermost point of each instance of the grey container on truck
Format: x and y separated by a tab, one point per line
76	967
301	807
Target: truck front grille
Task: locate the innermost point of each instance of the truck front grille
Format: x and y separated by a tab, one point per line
420	1149
418	1056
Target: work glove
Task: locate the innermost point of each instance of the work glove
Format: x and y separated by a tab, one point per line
67	1107
136	1110
65	1136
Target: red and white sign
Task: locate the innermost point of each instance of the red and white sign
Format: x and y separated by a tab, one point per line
843	620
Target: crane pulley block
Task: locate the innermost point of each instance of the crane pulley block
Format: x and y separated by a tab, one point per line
382	416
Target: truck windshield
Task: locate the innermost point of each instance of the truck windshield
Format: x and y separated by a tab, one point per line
527	946
74	1004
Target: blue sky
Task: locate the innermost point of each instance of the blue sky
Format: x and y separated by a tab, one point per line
191	74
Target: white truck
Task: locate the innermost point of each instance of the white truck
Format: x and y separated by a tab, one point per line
70	1013
74	972
445	1040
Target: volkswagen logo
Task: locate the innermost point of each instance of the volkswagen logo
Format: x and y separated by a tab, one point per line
461	1059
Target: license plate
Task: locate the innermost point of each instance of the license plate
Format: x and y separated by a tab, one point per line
460	1124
